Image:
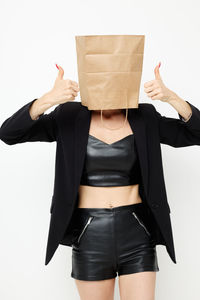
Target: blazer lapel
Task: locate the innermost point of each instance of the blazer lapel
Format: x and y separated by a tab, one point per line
137	124
82	125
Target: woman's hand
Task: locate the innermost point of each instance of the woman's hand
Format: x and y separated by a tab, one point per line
63	89
156	90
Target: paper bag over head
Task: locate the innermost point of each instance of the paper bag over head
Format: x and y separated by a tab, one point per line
109	70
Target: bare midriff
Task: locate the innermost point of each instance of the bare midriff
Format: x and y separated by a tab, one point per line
108	197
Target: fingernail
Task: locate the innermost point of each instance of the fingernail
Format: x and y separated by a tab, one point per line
159	64
57	66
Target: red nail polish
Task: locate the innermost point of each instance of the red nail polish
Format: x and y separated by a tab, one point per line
57	66
159	64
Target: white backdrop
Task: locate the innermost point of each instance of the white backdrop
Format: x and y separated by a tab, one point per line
34	36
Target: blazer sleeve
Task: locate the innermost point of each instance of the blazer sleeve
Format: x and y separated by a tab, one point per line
179	132
20	127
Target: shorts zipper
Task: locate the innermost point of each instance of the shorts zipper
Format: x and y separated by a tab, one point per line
84	228
141	223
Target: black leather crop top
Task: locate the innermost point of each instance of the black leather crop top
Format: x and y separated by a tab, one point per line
113	164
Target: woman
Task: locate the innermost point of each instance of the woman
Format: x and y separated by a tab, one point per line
117	235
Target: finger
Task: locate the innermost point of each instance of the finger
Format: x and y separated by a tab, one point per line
74	82
149	89
149	83
60	73
74	94
70	97
154	93
156	97
70	91
157	72
72	88
75	88
74	85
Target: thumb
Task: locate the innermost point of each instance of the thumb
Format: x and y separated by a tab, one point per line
60	73
157	72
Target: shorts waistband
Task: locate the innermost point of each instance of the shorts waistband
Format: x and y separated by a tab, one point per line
108	210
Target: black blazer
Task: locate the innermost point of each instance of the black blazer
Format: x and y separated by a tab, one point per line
68	124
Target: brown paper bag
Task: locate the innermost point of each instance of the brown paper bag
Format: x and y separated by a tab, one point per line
109	70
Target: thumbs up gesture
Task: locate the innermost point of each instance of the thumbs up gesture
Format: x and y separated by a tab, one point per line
155	89
63	89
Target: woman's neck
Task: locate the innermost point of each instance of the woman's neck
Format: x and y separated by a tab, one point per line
108	112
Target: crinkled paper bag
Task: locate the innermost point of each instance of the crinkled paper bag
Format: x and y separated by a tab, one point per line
109	70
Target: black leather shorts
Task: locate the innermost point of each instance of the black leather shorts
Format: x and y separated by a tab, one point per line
107	241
